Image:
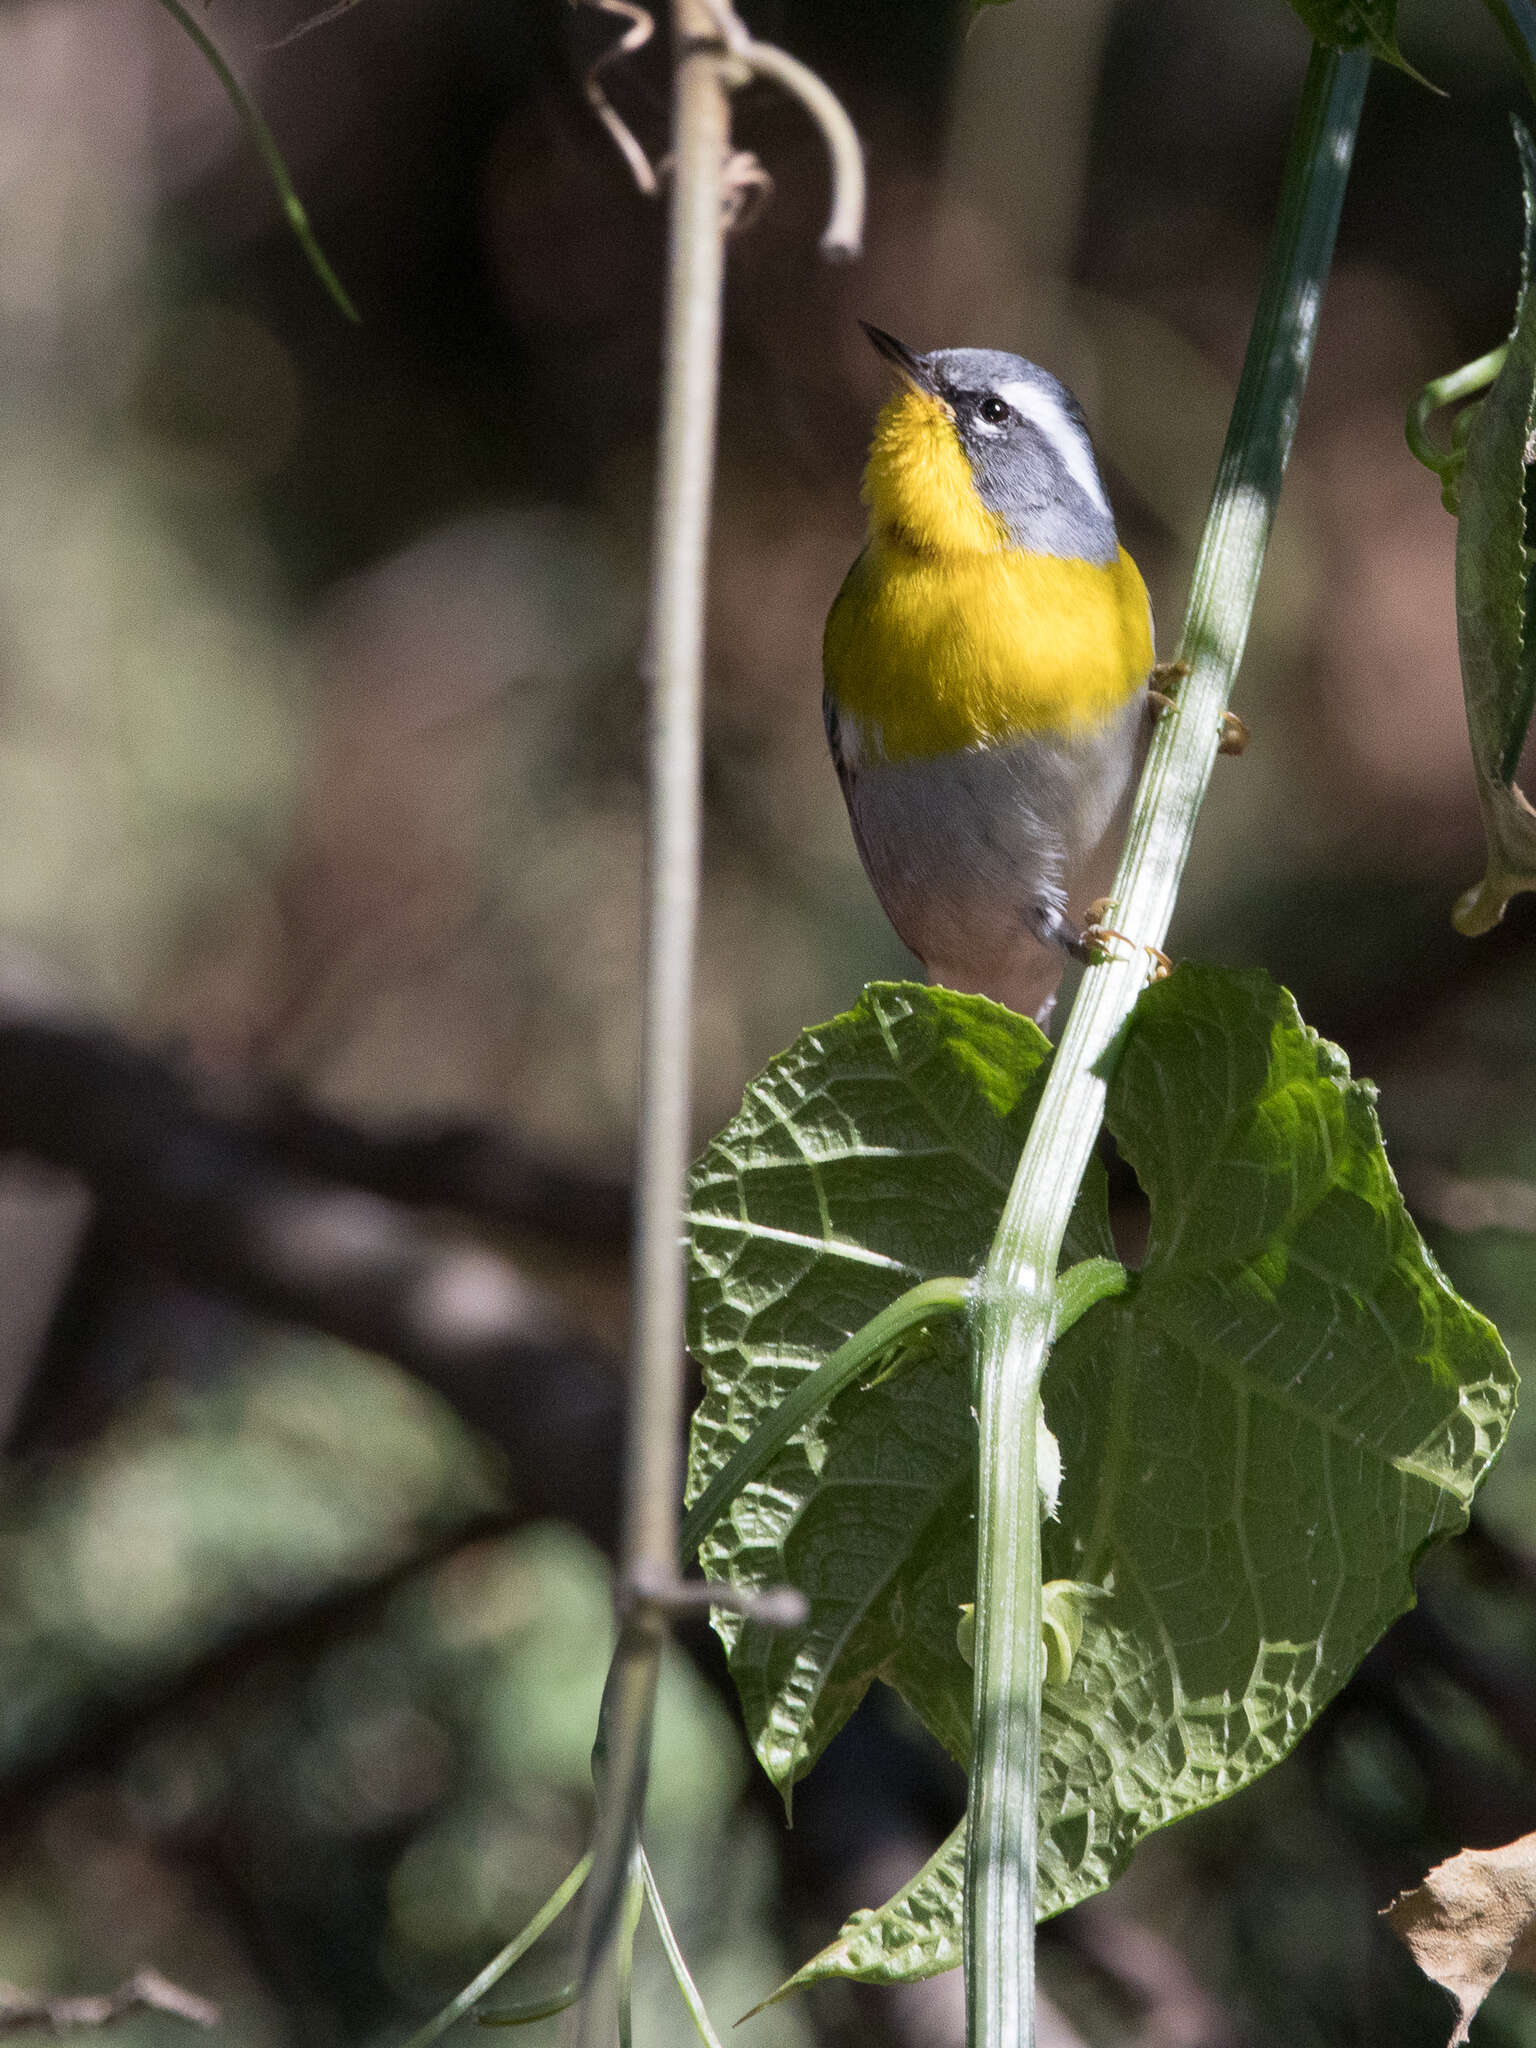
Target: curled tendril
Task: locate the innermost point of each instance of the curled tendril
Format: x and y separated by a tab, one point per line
641	26
1450	389
748	185
843	235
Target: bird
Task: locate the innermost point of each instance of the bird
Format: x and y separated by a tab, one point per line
986	666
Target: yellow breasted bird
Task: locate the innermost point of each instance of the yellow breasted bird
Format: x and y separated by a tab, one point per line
986	661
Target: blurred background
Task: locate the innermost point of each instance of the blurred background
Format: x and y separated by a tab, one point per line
320	841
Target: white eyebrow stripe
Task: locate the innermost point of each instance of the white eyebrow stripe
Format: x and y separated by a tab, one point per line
1037	406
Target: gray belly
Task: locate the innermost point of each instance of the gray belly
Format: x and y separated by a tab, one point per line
978	857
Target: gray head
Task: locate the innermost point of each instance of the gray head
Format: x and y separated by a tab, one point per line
1027	443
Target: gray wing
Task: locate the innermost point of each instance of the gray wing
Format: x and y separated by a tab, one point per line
835	742
847	779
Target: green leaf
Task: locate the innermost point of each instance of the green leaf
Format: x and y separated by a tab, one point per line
915	1934
874	1154
1258	1437
1358	25
1493	575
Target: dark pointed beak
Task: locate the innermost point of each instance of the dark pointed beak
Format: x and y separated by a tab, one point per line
905	361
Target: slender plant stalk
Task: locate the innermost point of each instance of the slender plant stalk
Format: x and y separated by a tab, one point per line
624	1949
499	1964
682	1975
1017	1293
266	147
675	662
675	659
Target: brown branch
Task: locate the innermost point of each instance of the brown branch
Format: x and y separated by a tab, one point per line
468	1166
194	1194
145	1991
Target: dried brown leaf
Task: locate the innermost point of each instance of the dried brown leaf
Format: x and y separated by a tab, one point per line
1473	1918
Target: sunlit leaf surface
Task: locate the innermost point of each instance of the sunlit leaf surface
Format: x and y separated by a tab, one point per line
1258	1439
873	1154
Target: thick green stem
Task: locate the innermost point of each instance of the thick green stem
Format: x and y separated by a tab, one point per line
1016	1302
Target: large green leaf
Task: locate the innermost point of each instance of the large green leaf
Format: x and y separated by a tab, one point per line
875	1153
1493	571
1258	1439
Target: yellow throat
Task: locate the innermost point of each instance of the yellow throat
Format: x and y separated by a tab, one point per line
946	636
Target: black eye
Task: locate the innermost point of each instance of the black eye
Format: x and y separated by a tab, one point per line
993	411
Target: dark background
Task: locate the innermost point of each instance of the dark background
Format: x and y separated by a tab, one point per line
320	833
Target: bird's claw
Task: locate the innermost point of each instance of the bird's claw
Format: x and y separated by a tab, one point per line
1093	949
1171	673
1232	732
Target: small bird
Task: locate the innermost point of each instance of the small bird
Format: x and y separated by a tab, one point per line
986	664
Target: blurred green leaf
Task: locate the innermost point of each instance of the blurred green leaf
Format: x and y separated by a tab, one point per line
1517	19
1258	1438
1493	571
914	1934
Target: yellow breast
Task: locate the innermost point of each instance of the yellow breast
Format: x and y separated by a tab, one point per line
934	653
946	636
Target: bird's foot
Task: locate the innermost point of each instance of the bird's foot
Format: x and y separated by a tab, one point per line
1093	943
1233	734
1163	683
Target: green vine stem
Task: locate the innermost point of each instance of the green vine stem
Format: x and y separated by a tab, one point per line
1078	1289
499	1965
1082	1286
1016	1302
906	1313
